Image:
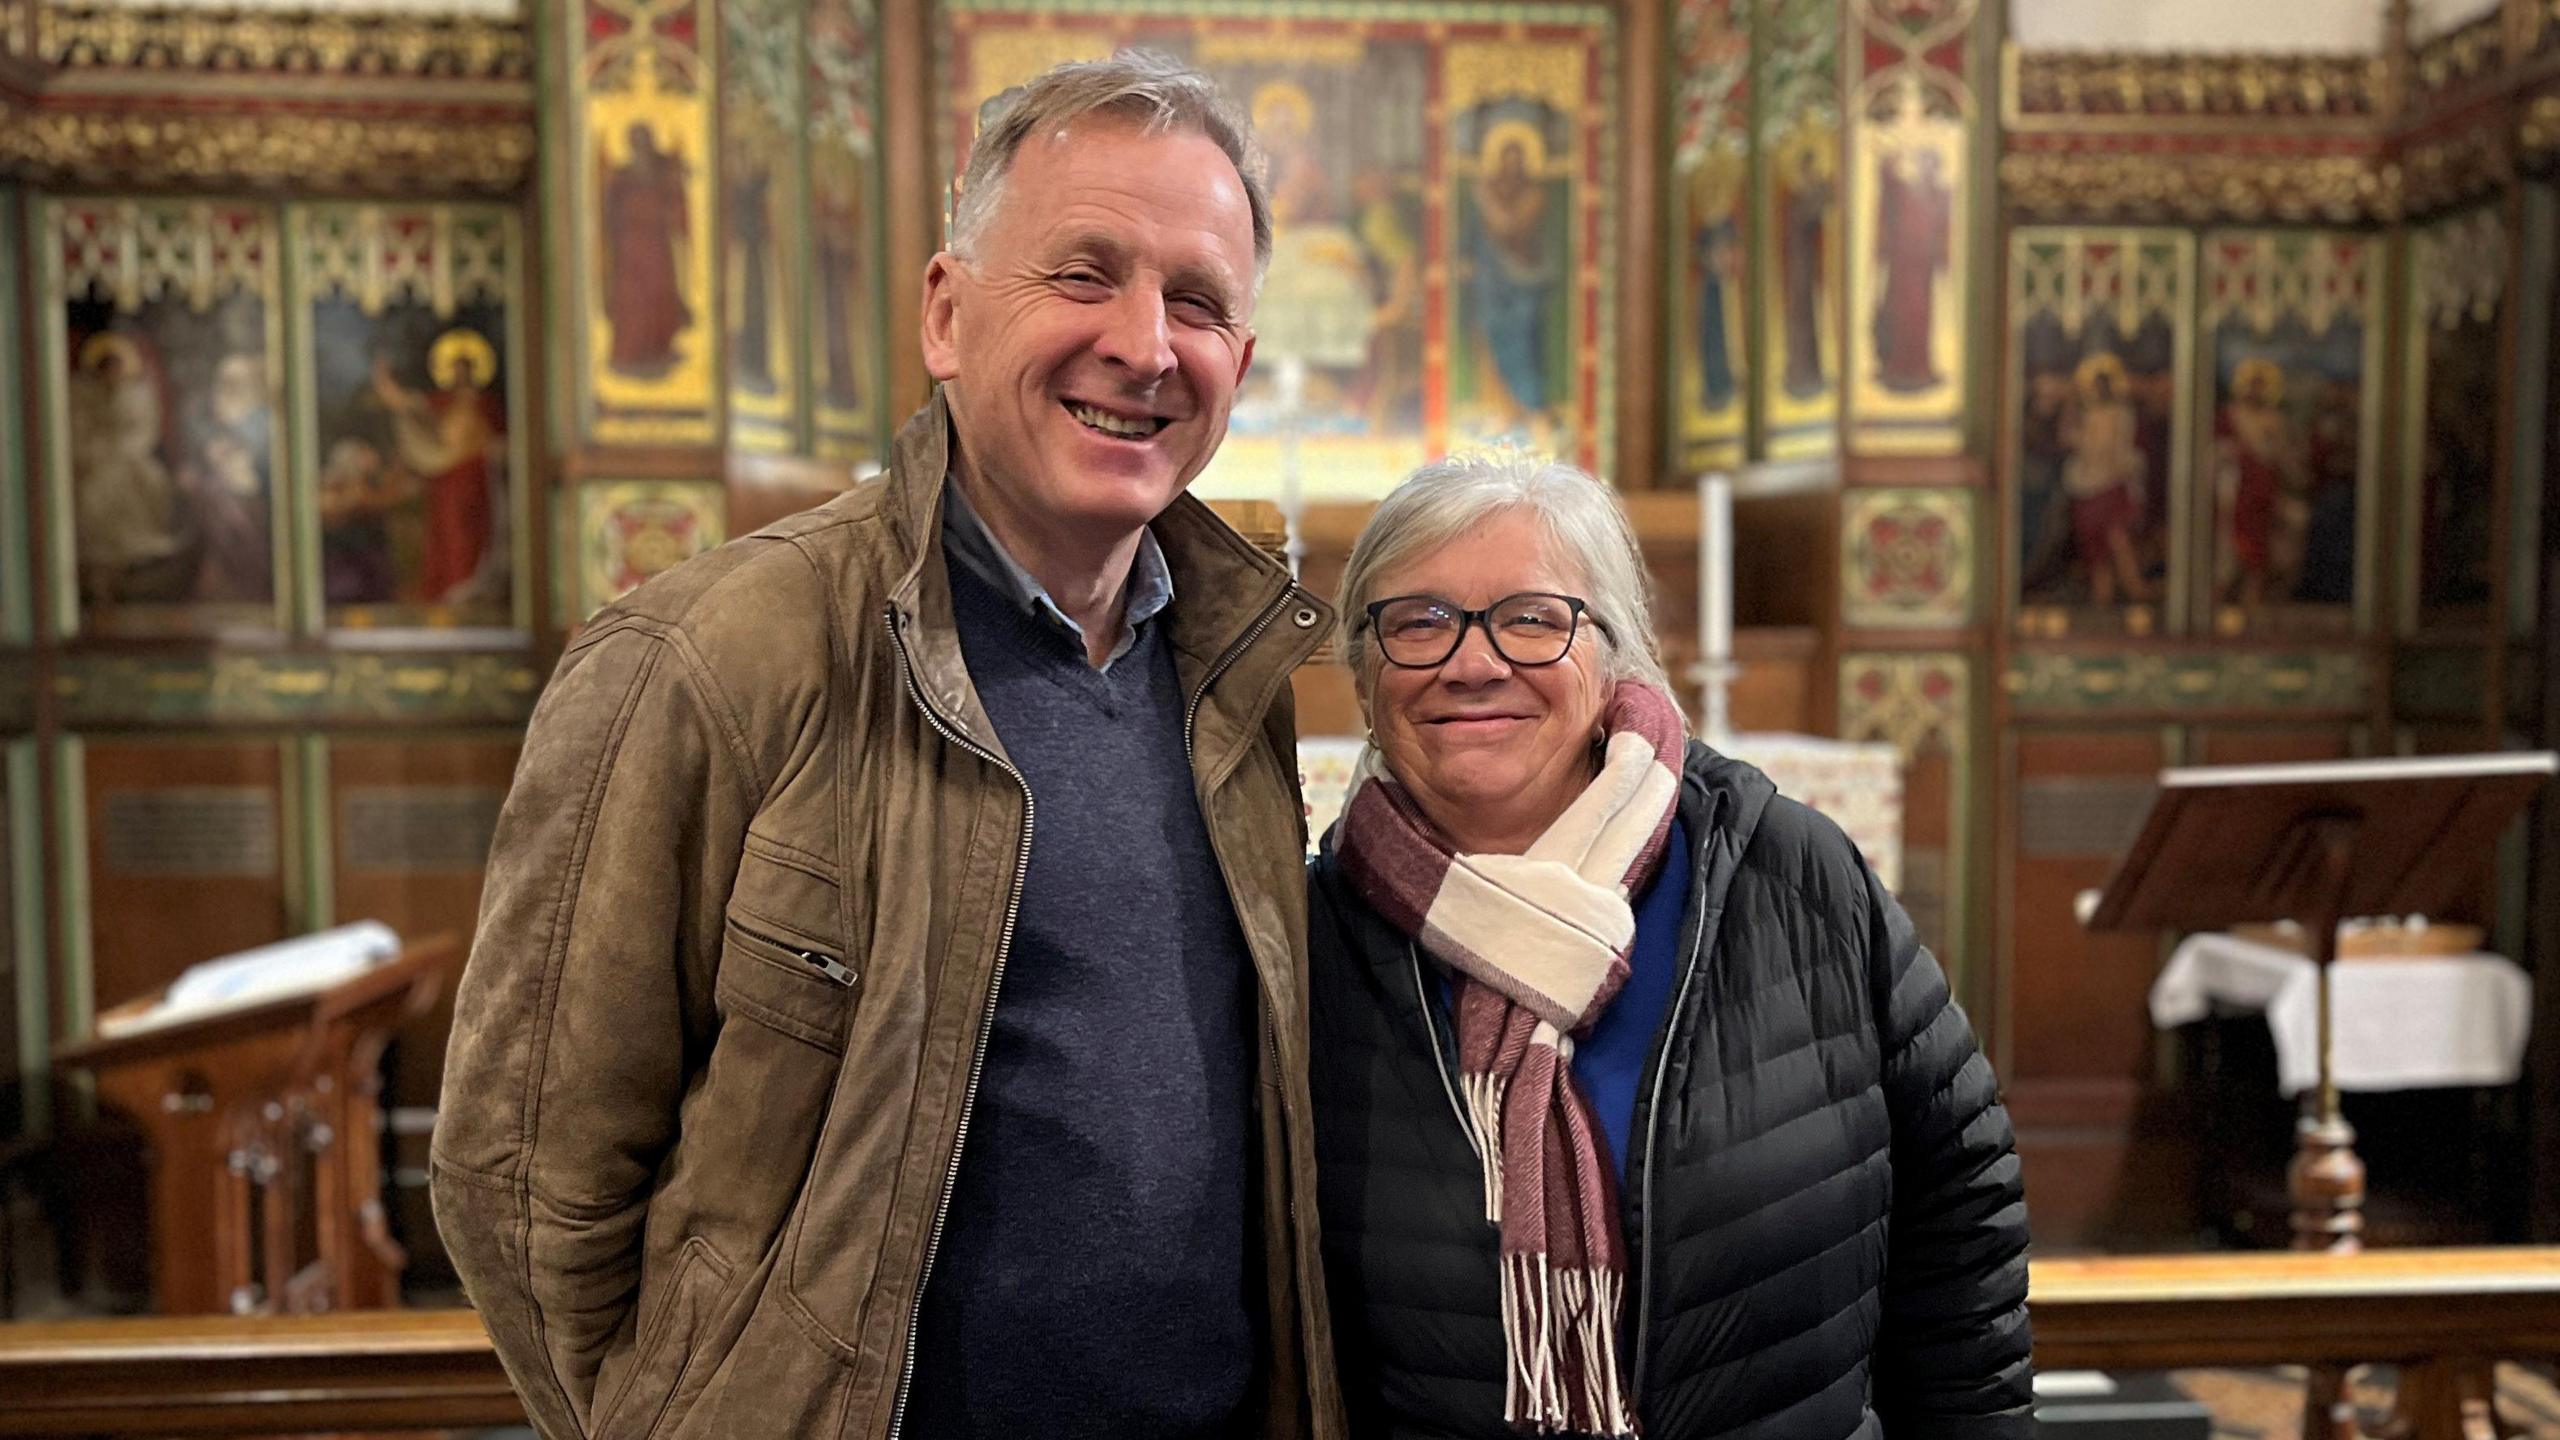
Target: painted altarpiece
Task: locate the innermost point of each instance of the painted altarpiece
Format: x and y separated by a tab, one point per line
2286	440
844	287
1799	286
761	105
1711	170
2097	428
1910	167
408	417
1441	191
2457	297
640	156
163	331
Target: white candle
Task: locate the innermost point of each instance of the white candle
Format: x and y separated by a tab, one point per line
1715	599
1715	569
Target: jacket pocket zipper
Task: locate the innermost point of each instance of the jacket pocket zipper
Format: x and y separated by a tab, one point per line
818	960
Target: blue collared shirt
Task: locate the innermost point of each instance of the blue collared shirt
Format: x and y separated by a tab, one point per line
967	541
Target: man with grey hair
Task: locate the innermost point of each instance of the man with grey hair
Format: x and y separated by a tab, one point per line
887	1015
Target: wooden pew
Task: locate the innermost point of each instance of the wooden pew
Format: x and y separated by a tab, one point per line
2444	1315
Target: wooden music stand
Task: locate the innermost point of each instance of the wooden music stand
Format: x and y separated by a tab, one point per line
2315	844
264	1124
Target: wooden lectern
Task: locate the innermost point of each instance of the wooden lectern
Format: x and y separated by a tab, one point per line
264	1124
2317	844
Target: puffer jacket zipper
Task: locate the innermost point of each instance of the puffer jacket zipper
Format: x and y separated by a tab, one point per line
1642	1258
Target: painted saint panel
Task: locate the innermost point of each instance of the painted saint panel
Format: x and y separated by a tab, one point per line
409	421
1439	193
760	171
2097	432
2285	454
640	142
1515	141
1911	172
1800	227
1711	168
166	460
844	207
2457	283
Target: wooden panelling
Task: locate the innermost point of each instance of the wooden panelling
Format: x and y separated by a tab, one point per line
2255	745
2075	1037
409	827
2076	999
188	851
409	824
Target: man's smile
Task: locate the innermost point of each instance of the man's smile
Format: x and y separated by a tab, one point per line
1112	423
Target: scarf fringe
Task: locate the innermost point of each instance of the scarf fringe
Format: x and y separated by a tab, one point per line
1483	1092
1583	1395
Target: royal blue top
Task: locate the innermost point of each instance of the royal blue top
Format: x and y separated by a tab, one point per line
1608	1063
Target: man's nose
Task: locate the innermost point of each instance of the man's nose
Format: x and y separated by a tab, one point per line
1135	335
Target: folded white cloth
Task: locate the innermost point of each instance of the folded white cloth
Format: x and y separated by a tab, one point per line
2409	1024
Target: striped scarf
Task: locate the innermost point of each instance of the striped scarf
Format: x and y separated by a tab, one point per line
1537	944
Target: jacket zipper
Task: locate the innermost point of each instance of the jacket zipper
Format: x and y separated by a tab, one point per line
1439	1057
1270	1012
986	1021
818	960
1652	1141
1191	757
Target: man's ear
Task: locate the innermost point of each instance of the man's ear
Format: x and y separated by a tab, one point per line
1244	362
940	329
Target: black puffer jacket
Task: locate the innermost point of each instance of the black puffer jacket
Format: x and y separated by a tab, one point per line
1827	1231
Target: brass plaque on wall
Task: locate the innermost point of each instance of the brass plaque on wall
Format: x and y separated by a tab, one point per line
195	831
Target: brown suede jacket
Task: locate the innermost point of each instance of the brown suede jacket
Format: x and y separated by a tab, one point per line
747	911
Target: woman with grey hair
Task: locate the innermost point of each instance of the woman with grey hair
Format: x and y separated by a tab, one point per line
1639	1108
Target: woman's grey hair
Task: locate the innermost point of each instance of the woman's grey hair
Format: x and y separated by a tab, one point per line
1446	498
1159	93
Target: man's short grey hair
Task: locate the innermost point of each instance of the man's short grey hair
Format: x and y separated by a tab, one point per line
1583	520
1159	93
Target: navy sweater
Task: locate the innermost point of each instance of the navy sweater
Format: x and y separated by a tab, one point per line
1093	1277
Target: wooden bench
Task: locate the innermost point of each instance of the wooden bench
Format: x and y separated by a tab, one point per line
2445	1316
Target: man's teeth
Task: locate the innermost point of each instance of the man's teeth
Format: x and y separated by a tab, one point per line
1111	424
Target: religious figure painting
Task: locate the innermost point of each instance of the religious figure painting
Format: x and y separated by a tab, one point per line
1909	169
650	222
760	230
2097	426
1513	371
2285	454
408	325
1711	164
1800	149
1915	240
842	231
647	216
167	456
2458	272
1437	184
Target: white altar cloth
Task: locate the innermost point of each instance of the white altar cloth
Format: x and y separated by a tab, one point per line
2401	1024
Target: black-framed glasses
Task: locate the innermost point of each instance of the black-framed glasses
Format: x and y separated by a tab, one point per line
1419	632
